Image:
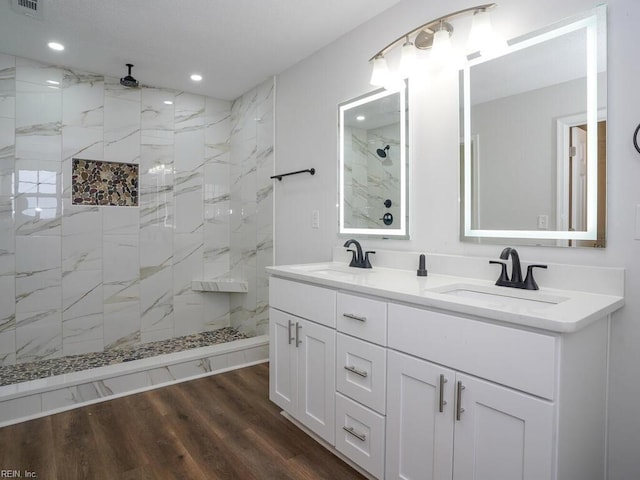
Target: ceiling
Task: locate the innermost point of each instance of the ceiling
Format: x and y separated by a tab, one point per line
233	44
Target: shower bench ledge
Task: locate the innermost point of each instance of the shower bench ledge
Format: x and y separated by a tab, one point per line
223	284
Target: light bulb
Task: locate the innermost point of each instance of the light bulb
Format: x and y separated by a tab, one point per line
442	49
407	59
480	30
482	37
380	74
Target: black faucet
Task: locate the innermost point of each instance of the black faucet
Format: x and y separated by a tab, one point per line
515	281
358	260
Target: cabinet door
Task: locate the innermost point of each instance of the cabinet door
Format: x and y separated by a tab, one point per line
316	377
501	434
283	360
419	434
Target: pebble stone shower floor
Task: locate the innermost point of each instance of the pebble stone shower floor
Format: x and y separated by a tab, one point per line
22	372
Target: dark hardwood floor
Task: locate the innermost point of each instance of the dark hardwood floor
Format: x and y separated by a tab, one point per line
219	427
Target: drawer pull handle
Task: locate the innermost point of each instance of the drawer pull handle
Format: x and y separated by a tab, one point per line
360	436
289	332
459	408
442	402
298	341
361	373
355	317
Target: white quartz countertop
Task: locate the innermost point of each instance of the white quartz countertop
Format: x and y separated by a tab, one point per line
554	310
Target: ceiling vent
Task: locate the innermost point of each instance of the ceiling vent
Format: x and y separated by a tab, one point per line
31	8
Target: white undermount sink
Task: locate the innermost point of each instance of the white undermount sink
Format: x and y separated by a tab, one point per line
329	269
313	267
501	296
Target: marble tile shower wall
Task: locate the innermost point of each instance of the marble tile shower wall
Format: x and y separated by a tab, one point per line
383	174
369	179
252	160
77	279
355	181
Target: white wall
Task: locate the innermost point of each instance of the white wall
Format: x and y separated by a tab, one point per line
306	136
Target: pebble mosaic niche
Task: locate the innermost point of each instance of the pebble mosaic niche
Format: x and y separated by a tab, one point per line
96	182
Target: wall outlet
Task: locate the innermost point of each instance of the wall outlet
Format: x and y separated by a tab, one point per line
315	219
543	222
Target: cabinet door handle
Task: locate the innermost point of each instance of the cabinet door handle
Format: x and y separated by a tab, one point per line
289	332
353	316
442	401
459	408
298	341
362	373
360	436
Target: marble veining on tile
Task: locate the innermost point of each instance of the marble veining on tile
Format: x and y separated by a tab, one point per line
23	372
76	278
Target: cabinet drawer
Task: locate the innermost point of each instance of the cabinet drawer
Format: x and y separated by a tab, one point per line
517	358
307	301
360	435
362	317
361	371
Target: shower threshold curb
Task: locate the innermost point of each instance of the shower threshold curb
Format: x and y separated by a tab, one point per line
45	396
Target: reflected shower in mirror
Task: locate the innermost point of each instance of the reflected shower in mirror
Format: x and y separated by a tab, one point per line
373	164
534	138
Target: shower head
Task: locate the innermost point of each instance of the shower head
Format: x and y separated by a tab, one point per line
382	152
129	81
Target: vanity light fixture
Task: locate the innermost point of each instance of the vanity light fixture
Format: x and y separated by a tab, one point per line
435	35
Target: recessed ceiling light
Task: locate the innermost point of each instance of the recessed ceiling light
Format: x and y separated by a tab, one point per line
56	46
360	118
196	77
53	82
168	102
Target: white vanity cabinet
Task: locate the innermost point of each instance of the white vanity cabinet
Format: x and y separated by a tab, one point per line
302	354
412	391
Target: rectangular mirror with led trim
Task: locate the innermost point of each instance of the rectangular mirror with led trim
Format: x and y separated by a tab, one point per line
533	128
374	164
